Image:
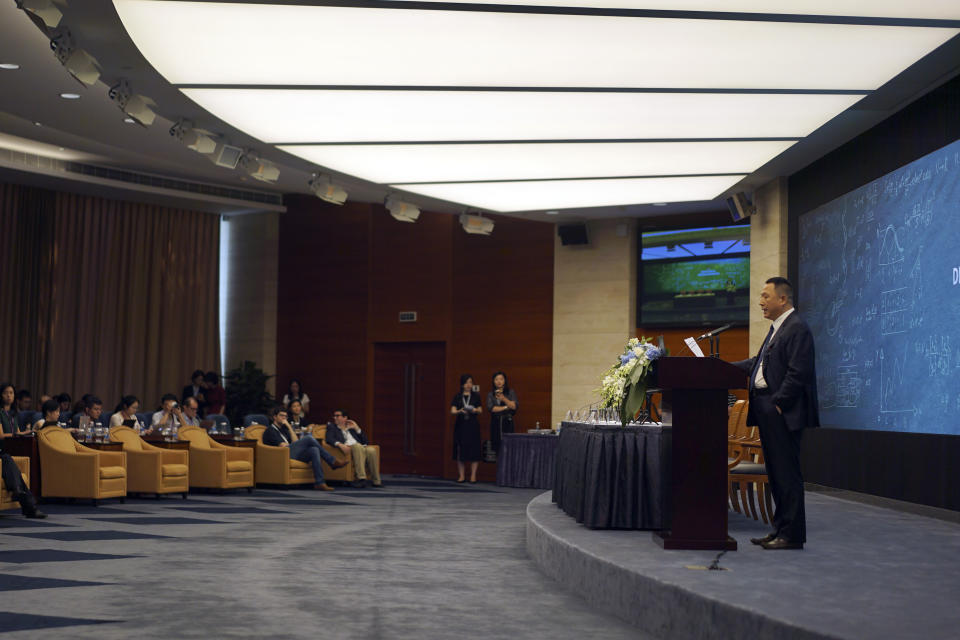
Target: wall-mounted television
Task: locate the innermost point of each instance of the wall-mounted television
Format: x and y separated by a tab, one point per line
694	277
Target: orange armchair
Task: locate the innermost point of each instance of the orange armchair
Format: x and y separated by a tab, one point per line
151	469
216	466
274	464
70	470
6	497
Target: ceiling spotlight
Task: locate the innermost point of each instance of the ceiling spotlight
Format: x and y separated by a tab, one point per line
259	169
402	211
9	66
659	204
476	224
130	121
46	10
225	155
323	188
138	107
78	62
196	139
552	213
70	96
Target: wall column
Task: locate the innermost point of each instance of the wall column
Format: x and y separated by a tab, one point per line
251	300
768	250
594	310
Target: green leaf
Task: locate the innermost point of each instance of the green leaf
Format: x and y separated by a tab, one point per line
634	398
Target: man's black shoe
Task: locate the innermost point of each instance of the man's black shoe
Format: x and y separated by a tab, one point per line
781	543
359	483
766	538
35	514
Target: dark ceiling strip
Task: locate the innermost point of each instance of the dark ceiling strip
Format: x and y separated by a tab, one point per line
679	175
622	13
560	141
380	87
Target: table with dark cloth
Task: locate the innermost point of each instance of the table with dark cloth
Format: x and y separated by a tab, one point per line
527	460
613	477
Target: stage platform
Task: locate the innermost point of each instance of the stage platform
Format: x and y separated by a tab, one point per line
866	572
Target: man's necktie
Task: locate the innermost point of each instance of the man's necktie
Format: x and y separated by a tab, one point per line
756	365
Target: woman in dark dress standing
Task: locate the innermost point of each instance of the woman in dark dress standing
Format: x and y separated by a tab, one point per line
466	431
502	404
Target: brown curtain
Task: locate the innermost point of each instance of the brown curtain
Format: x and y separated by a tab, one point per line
104	296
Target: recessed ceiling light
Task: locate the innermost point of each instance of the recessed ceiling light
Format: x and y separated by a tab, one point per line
70	96
130	121
37	124
531	49
659	204
568	194
9	66
551	213
357	115
398	164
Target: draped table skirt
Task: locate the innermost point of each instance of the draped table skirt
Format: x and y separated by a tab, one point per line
613	477
527	460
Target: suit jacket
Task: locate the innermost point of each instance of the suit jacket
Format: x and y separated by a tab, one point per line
790	372
335	435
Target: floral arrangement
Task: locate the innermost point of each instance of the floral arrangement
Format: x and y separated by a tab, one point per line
624	384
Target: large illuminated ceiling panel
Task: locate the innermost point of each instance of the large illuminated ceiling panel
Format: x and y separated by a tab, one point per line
559	194
532	161
402	116
222	43
667	102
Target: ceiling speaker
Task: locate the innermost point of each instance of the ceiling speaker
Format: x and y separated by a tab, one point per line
572	234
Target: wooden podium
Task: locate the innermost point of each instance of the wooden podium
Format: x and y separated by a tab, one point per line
694	392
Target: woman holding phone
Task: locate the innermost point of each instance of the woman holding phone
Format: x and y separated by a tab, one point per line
502	404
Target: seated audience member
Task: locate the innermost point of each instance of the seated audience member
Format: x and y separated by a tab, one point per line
295	416
15	485
346	435
166	417
195	389
65	400
90	415
24	400
215	394
304	448
8	410
51	416
189	416
126	415
295	392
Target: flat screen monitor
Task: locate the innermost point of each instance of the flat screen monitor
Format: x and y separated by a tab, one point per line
694	277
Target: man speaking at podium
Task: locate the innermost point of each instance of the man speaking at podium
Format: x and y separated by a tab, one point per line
783	401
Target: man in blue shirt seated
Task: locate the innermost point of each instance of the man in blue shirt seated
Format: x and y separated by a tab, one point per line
304	448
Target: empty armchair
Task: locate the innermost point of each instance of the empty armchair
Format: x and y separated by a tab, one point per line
274	464
220	422
255	418
216	466
151	469
6	497
70	470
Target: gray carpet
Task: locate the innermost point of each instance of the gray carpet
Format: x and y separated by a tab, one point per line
410	563
866	572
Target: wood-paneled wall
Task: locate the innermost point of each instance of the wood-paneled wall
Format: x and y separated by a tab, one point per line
346	272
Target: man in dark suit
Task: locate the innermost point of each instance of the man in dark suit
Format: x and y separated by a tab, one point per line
346	435
783	402
13	482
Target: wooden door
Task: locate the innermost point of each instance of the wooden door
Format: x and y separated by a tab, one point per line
409	406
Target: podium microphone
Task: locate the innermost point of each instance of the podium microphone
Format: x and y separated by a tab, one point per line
710	334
